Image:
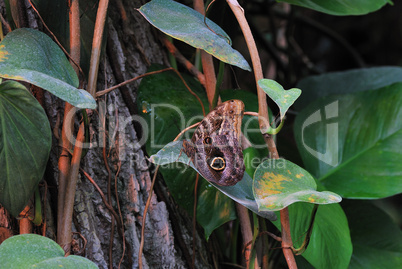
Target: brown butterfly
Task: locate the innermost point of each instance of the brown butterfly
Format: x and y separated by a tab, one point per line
215	147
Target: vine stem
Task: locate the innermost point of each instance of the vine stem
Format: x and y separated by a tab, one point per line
64	164
256	62
96	46
65	230
246	232
263	120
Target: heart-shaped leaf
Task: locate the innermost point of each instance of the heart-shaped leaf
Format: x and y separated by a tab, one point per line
279	183
25	142
241	192
352	142
283	98
187	25
31	56
35	251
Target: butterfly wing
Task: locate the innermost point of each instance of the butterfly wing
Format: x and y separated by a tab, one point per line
215	147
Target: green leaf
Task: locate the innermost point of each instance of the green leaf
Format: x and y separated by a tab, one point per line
341	7
35	251
241	192
31	56
352	142
25	143
187	25
345	82
330	244
377	241
275	91
280	183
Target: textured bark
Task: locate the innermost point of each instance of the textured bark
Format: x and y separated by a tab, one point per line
132	45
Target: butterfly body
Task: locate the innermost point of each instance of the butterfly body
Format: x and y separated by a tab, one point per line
215	148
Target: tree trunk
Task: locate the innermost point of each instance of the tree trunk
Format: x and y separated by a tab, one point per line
132	44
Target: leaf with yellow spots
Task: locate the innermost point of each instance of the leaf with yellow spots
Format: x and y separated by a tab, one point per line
279	183
31	56
3	53
284	99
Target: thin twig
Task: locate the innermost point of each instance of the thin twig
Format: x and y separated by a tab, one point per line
190	67
195	218
5	23
144	215
102	195
100	93
109	193
120	215
185	130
